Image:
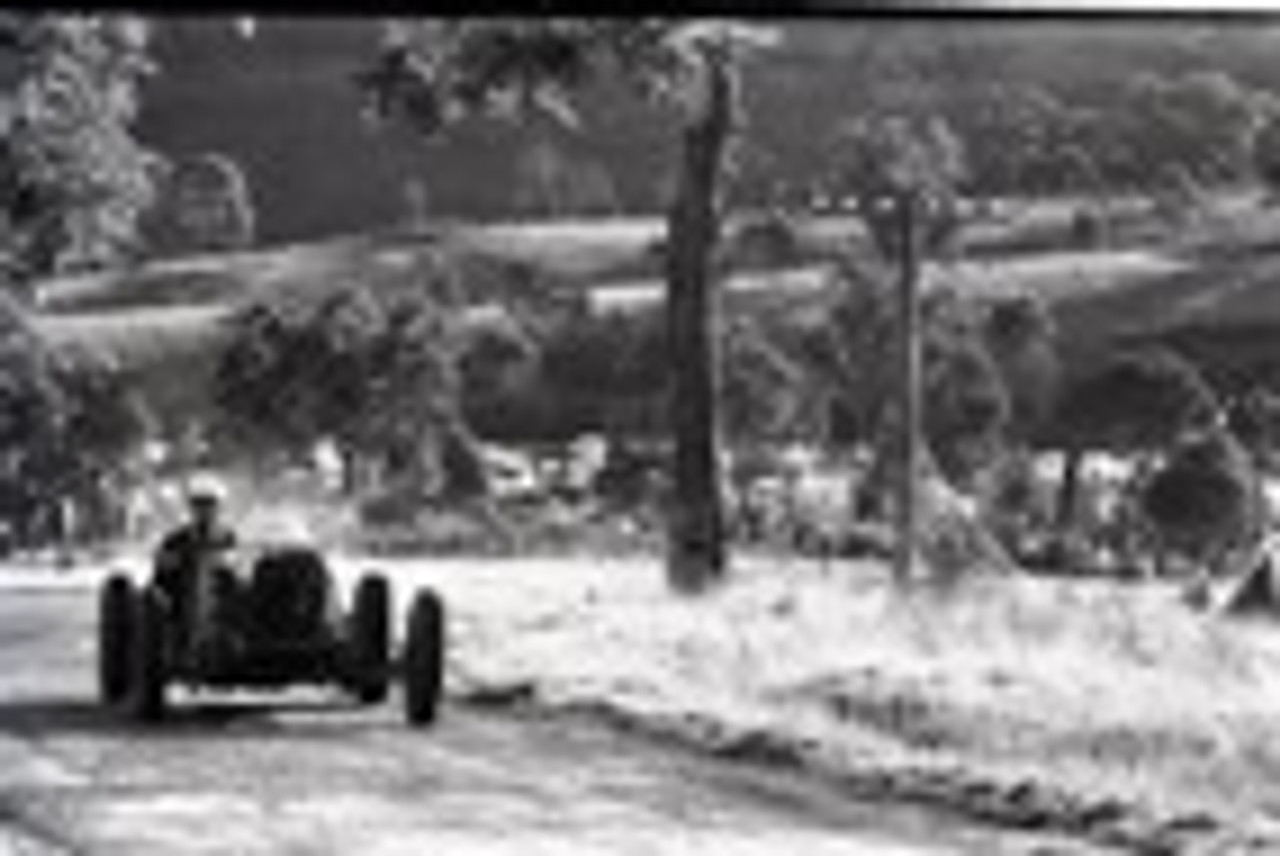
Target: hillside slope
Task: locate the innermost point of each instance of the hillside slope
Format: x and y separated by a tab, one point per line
284	105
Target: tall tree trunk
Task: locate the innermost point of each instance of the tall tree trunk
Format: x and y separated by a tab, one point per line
696	553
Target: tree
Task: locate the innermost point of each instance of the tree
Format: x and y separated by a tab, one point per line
1204	501
904	172
847	353
849	362
30	422
1020	336
557	374
1265	151
615	355
968	408
1141	400
370	368
73	179
1201	124
884	157
103	420
67	423
1137	400
1254	418
1014	136
205	205
491	350
435	73
763	392
503	393
553	181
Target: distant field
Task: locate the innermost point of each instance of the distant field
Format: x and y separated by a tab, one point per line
1061	276
220	278
1220	273
573	249
135	338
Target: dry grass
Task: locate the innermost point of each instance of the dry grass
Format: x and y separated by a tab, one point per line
1114	702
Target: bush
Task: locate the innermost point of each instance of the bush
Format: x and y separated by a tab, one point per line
1255	420
66	427
853	355
1204	498
1021	338
1266	155
206	205
371	368
1138	400
966	408
614	355
762	391
884	156
769	240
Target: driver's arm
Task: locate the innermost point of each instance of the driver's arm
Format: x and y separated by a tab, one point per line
169	560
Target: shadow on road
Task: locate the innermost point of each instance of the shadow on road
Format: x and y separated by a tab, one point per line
46	716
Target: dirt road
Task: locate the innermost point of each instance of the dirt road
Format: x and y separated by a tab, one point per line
306	773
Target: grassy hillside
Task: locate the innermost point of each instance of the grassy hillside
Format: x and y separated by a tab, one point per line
1211	293
283	104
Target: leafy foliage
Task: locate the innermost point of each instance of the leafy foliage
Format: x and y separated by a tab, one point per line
1138	400
1266	152
763	394
67	425
73	179
967	407
503	390
432	74
610	372
491	350
205	204
847	352
851	358
1020	336
554	182
609	356
1200	124
29	396
1204	497
1022	138
1255	420
104	416
885	160
370	368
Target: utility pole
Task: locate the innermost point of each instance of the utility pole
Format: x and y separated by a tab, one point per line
906	214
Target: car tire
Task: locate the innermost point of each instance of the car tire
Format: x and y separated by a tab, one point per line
424	658
148	676
116	609
371	639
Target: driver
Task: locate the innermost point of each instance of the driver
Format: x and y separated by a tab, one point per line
191	555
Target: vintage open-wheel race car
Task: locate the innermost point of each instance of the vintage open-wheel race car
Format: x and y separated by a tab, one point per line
279	624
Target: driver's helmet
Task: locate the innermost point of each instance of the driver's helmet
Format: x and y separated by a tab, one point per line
206	488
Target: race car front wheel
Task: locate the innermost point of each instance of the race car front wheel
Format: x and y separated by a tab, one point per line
424	657
115	638
371	639
147	680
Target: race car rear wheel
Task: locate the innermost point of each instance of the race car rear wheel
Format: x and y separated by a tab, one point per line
115	637
148	657
424	658
371	639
